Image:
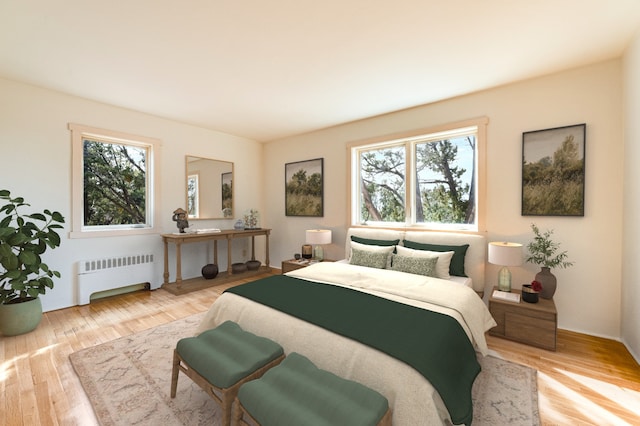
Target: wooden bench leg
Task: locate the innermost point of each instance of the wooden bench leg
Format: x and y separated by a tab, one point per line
174	373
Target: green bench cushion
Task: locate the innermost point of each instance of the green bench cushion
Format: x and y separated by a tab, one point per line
297	392
227	353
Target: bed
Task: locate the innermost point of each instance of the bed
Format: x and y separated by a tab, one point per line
413	398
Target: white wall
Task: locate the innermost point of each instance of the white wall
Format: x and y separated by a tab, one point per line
588	297
35	163
630	264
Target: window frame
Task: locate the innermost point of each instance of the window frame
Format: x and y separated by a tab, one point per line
409	140
80	132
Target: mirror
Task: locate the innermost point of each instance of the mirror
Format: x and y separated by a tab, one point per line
209	188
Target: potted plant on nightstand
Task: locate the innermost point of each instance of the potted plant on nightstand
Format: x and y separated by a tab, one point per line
543	251
23	275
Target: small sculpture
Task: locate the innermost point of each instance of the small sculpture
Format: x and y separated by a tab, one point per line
180	217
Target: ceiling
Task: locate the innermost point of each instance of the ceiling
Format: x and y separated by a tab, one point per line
268	69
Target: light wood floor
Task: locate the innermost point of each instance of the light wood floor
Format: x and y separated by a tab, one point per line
588	381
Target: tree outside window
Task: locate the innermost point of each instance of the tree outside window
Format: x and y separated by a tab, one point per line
427	180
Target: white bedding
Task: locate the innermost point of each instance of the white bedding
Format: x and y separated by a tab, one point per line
412	398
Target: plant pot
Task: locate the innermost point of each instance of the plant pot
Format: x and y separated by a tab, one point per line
253	265
238	268
529	295
548	281
209	271
20	318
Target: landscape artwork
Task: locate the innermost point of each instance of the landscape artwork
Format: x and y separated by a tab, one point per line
304	188
553	171
227	194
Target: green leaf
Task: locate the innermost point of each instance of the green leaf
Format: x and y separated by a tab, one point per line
4	193
27	257
58	217
37	216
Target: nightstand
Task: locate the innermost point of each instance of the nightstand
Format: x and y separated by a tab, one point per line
292	265
534	324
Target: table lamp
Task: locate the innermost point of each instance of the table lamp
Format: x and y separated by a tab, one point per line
318	237
505	254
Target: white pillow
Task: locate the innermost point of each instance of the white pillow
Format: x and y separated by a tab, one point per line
444	259
374	249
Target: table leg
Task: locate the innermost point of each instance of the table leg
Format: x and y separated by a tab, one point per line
178	265
267	250
166	261
229	271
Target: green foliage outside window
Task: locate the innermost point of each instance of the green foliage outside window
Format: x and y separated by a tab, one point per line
444	185
115	184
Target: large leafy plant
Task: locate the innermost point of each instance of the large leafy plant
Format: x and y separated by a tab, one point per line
543	250
23	239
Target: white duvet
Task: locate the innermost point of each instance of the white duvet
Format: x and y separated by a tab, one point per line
412	399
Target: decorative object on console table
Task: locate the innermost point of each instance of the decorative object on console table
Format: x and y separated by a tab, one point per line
505	254
239	225
544	252
534	324
238	267
251	219
253	265
209	271
318	237
180	218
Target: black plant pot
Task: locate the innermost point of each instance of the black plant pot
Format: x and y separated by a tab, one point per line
210	271
253	265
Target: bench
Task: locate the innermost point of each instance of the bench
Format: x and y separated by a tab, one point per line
296	392
220	360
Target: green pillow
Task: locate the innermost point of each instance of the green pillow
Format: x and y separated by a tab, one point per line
372	242
456	267
371	259
415	265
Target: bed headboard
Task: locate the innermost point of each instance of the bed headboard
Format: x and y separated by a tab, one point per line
474	261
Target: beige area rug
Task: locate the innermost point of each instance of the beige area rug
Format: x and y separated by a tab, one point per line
128	383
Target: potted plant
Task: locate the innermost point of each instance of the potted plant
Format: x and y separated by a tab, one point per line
23	275
543	251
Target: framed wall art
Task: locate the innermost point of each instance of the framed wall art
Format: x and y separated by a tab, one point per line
553	171
304	188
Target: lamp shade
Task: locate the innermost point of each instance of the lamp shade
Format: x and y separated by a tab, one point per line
318	236
505	254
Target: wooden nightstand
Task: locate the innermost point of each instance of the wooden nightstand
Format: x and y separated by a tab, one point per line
292	265
535	324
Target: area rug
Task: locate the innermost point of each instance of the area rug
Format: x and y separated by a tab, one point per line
128	383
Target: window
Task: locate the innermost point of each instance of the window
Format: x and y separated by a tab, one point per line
193	195
430	179
114	183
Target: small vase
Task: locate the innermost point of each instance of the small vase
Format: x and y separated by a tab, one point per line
209	271
548	281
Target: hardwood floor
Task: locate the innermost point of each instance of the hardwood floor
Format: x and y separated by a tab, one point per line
588	381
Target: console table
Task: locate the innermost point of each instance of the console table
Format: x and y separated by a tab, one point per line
226	234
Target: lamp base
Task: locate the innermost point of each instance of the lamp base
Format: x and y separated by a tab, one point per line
504	279
318	253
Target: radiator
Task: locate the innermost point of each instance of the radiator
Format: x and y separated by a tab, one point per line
111	273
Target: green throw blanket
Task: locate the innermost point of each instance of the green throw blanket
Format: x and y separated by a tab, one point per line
432	343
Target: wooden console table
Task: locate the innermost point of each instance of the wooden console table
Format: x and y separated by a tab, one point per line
226	234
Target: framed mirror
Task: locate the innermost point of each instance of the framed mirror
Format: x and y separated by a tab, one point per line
209	188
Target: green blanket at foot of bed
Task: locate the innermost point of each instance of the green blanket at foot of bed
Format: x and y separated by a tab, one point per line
432	343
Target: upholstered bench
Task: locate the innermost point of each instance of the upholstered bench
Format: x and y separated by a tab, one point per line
221	360
296	392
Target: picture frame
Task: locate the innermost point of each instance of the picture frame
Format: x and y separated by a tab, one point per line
304	188
553	171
